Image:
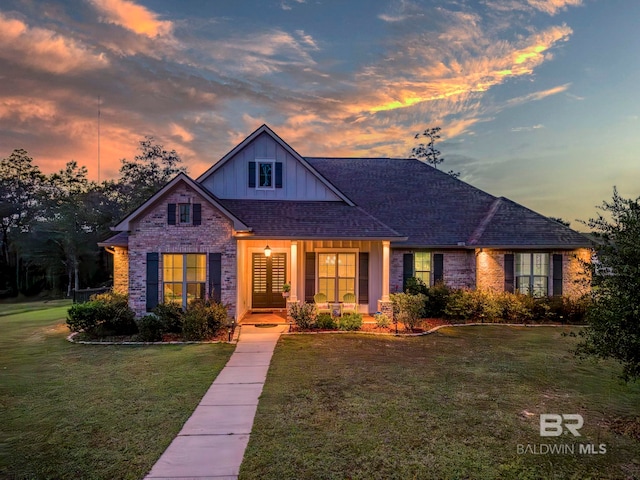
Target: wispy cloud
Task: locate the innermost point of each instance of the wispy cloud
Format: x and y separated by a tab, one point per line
133	17
553	6
45	50
535	96
527	129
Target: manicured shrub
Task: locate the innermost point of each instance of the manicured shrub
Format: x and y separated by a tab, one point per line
324	321
382	320
415	286
515	307
407	309
303	314
118	318
203	319
84	316
150	328
437	299
105	314
350	322
171	315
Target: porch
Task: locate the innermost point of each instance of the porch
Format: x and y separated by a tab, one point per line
279	317
333	267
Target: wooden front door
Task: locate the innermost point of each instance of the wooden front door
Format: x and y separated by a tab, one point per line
269	274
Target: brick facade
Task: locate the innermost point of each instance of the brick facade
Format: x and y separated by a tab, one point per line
490	270
151	233
484	269
120	270
459	268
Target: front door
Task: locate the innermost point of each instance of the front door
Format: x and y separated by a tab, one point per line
269	274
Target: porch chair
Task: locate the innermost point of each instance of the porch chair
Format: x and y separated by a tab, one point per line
349	304
322	306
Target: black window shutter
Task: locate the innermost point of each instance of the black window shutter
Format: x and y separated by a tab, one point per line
215	276
509	278
363	279
309	276
152	280
171	214
278	174
438	268
197	213
557	274
407	269
252	174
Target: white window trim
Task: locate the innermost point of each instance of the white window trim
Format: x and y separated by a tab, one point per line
273	173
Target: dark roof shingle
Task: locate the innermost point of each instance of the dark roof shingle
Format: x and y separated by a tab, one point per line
433	209
306	220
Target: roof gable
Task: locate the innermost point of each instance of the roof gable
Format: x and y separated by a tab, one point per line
124	224
300	181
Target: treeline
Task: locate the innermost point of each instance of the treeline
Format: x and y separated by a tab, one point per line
51	223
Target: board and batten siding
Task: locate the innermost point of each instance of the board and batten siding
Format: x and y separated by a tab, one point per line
298	183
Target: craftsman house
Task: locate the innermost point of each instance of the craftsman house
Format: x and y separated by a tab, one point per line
263	216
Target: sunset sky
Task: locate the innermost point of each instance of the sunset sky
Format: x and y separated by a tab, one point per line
538	100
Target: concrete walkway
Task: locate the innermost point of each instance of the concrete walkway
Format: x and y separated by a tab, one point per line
212	442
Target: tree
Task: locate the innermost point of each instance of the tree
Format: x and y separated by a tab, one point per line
614	315
20	183
147	172
429	153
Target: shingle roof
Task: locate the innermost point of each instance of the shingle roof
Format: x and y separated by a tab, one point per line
433	209
288	219
120	239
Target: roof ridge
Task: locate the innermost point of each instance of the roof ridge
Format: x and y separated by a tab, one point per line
482	226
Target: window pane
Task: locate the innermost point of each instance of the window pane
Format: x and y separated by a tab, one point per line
523	285
541	264
346	285
326	265
196	270
539	287
523	264
346	265
422	261
265	174
185	213
328	287
173	293
195	291
424	276
172	268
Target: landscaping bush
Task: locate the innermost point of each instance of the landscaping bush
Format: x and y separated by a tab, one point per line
171	316
105	314
324	321
437	299
118	318
382	321
203	319
84	316
304	314
515	307
407	308
415	286
350	322
150	328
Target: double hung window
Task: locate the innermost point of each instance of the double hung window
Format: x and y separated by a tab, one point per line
184	277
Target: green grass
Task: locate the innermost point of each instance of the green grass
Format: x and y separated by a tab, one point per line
84	411
452	405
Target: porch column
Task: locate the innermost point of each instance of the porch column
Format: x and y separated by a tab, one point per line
385	270
293	281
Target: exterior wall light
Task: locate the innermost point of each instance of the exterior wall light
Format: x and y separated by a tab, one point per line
267	251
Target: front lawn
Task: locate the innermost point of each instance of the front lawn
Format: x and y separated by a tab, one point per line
80	411
454	404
